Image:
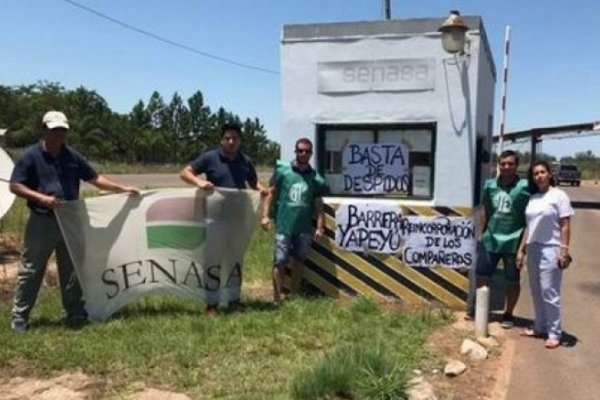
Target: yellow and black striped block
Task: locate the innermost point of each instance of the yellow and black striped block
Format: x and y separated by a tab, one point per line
338	273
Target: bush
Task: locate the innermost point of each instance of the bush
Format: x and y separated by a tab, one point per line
353	372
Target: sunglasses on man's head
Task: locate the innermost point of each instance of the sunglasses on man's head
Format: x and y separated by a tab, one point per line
303	151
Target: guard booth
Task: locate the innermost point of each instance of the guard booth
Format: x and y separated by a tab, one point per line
401	129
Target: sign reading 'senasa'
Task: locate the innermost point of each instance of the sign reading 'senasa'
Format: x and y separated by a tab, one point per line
393	75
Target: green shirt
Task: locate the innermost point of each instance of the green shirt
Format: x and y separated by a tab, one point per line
505	213
294	205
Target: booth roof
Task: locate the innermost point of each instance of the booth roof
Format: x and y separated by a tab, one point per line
371	28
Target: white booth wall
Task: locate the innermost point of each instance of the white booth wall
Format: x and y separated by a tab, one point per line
459	99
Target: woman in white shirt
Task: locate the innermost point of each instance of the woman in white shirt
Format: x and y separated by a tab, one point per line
546	244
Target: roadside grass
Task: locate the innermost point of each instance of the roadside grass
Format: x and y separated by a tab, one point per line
14	221
258	261
262	353
307	348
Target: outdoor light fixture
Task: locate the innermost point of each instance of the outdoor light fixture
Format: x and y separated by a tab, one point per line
454	32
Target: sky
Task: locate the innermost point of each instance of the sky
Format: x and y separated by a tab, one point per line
554	68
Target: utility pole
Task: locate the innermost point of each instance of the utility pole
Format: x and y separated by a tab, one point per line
387	6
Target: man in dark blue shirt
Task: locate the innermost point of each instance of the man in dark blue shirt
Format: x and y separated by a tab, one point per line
48	174
226	167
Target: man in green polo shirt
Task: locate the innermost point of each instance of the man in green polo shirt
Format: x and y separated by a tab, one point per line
504	201
295	193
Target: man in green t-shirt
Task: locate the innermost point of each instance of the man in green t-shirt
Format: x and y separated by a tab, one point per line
295	197
504	201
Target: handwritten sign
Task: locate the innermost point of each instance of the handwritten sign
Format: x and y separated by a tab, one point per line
433	241
375	168
419	241
367	227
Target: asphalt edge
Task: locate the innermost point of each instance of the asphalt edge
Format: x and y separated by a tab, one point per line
500	389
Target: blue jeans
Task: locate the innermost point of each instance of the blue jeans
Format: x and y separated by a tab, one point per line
488	262
291	246
42	237
486	266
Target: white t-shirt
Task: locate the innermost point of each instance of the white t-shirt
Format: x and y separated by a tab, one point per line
543	214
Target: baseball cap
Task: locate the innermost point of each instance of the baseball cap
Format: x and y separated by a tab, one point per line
55	119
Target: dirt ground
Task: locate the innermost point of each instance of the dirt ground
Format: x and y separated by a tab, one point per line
483	380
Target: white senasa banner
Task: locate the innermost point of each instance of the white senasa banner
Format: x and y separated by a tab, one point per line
181	241
421	241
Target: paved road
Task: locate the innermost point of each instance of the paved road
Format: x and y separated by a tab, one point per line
146	181
569	372
590	191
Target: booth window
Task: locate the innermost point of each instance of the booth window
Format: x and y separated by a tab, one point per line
388	161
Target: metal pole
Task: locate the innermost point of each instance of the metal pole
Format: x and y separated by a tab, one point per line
388	9
482	310
535	139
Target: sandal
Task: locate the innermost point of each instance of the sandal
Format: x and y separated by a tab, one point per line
530	332
552	343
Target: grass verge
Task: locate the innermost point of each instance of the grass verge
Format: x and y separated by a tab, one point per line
262	353
307	348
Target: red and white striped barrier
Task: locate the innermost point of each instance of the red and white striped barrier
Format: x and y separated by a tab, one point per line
504	88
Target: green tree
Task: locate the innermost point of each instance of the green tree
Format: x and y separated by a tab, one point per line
176	126
88	114
151	132
155	110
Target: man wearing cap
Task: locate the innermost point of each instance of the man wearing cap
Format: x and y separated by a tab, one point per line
225	167
46	175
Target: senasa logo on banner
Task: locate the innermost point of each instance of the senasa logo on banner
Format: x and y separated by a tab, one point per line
394	75
176	223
